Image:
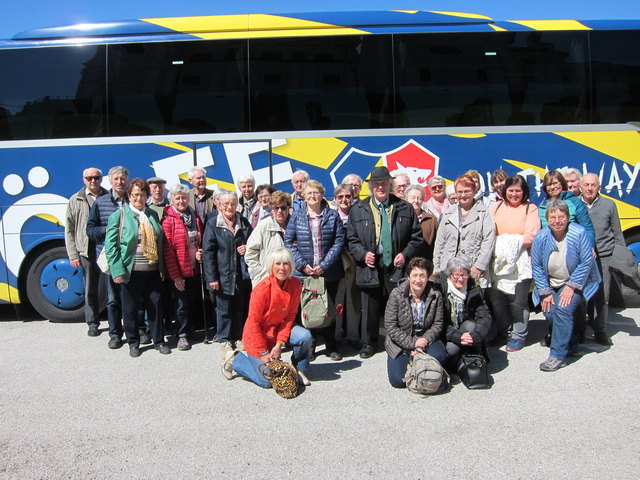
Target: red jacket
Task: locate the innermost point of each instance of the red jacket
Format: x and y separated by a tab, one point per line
176	246
272	311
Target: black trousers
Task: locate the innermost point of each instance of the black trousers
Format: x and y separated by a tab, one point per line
147	288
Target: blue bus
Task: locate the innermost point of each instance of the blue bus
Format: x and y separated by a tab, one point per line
331	93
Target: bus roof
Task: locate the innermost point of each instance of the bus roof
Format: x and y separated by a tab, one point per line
295	24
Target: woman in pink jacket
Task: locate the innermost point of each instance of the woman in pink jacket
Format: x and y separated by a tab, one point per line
182	255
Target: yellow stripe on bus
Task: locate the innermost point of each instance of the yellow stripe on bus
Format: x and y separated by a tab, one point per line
9	294
553	24
49	218
524	166
319	152
177	146
280	33
469	135
625	146
463	15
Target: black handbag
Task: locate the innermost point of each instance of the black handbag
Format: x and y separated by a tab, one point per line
473	372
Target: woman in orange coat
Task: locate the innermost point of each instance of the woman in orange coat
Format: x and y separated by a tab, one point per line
272	310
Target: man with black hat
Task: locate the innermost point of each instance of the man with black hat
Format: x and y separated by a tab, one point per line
383	234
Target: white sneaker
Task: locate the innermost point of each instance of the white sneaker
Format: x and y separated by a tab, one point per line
240	345
227	365
226	347
302	379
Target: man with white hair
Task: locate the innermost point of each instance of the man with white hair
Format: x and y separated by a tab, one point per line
356	183
200	197
80	248
247	202
300	177
400	183
609	238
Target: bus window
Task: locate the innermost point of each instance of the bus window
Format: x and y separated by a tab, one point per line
480	79
321	83
52	92
179	87
616	76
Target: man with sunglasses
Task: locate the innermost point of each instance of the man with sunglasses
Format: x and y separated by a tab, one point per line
80	248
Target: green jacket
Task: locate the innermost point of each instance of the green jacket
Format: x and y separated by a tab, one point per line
121	257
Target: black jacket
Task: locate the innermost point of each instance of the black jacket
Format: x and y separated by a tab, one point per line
406	236
475	310
221	261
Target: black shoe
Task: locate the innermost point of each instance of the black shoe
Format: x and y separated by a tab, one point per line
163	348
94	330
144	339
367	351
114	343
134	351
355	344
602	338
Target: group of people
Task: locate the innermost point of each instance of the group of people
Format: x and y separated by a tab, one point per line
448	274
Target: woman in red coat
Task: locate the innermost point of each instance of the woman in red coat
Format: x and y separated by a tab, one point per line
272	311
182	254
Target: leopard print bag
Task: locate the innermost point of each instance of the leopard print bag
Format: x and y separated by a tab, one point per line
283	377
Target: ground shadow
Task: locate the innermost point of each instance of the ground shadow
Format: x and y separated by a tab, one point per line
322	372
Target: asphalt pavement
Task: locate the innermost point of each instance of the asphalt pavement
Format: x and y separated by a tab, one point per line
71	408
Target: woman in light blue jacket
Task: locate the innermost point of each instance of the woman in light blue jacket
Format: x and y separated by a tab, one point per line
564	272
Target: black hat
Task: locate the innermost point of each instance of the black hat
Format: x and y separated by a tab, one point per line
380	173
156	180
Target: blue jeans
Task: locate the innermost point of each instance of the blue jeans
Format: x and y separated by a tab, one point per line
397	367
561	319
248	366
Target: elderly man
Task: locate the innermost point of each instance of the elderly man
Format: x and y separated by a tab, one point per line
604	216
200	197
300	177
356	182
383	235
80	248
158	198
247	202
99	215
400	183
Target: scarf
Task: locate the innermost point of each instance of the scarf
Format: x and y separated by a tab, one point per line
147	236
457	298
186	217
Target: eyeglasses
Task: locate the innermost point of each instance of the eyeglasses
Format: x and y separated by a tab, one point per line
460	275
93	177
437	187
264	197
340	197
280	207
313	194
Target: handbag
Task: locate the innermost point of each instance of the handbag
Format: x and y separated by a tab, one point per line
473	372
283	377
102	261
425	375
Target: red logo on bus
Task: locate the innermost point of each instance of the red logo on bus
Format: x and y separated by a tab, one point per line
414	160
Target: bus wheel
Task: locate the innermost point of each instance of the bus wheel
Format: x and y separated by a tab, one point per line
55	288
633	244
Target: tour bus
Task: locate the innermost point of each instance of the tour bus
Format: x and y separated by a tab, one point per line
426	93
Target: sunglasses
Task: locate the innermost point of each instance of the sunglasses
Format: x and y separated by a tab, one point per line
437	187
94	177
340	197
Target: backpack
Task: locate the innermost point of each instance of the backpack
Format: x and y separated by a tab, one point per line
425	375
314	303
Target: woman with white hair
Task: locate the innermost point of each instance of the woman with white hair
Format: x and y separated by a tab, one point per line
182	254
414	194
270	324
438	202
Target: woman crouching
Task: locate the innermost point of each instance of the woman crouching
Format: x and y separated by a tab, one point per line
272	310
413	320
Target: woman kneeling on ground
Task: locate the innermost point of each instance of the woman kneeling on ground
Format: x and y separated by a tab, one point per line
413	320
467	317
272	311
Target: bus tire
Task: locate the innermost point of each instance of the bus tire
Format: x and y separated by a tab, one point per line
55	289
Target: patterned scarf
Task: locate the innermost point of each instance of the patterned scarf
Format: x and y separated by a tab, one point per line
186	217
457	298
148	241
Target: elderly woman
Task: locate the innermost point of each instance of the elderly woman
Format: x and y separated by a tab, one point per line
247	202
467	318
438	203
270	324
182	255
133	246
565	273
263	208
347	321
224	246
413	320
555	187
517	222
467	232
316	237
414	194
268	235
